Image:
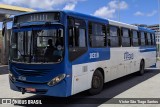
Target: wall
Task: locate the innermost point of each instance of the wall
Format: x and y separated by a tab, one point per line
4	42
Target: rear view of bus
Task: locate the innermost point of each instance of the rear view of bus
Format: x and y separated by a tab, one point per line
37	62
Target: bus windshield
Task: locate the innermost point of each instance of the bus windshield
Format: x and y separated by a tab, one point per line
37	46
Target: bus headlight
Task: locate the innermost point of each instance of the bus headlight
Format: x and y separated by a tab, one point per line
11	76
56	79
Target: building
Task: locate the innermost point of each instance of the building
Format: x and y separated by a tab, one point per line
5	12
156	28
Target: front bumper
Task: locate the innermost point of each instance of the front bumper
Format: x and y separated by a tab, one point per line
58	90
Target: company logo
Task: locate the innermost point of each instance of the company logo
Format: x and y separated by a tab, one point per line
19	101
6	101
128	56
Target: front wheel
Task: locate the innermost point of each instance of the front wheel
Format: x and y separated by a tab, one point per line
97	83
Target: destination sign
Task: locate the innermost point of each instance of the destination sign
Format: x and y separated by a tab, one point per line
37	17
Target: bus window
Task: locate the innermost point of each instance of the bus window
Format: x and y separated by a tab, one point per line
113	39
146	38
142	39
153	39
82	38
97	35
70	37
135	38
149	38
77	34
125	37
76	38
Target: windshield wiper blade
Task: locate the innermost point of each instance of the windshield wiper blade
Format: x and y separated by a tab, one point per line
22	55
20	52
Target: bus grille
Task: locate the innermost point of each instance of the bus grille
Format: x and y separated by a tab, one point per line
32	72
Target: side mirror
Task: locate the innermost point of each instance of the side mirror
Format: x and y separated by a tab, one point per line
3	31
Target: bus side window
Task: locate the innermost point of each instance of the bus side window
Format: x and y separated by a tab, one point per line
97	34
149	39
108	33
77	43
153	39
82	38
77	35
113	38
142	39
135	39
70	37
146	38
125	37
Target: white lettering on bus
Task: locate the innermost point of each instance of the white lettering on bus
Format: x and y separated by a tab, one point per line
94	55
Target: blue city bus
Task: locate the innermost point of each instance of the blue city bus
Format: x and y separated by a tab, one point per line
61	53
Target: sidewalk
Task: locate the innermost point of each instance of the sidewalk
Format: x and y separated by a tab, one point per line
158	64
3	65
6	92
147	89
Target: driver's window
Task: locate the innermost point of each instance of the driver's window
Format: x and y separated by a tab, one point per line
82	38
77	33
77	42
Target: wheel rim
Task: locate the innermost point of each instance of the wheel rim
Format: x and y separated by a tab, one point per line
96	82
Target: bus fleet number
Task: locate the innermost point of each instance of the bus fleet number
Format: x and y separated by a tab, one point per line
94	55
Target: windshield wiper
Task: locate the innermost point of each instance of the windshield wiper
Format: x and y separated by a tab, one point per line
20	53
23	56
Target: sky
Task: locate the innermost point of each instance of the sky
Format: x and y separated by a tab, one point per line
130	11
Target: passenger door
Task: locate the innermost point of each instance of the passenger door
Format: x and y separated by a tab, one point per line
77	45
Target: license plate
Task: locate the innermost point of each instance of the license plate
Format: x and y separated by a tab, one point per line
22	78
30	89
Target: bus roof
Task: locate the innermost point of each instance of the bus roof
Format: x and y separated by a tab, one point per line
116	23
97	19
85	16
74	14
146	29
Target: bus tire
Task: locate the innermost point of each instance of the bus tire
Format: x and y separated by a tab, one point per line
142	66
97	83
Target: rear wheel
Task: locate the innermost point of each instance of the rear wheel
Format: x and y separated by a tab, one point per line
142	66
97	83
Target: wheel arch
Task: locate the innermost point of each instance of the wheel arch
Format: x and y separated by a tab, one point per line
102	71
